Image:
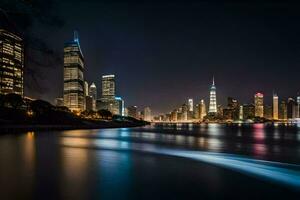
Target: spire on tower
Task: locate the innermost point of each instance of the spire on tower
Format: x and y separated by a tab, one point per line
76	37
213	80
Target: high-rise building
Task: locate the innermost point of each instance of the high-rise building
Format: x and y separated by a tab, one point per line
196	111
86	88
11	63
89	103
241	113
291	108
282	115
259	104
73	75
174	115
248	111
275	107
184	113
213	99
120	105
132	111
108	87
298	107
108	101
93	91
147	114
191	105
202	110
233	106
268	112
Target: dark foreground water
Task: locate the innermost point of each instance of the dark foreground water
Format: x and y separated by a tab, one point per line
155	162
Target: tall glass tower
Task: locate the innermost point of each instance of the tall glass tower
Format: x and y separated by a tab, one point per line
213	99
11	63
73	75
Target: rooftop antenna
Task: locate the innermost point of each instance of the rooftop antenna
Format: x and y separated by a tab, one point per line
76	37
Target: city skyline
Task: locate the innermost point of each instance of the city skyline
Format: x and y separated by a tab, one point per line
158	54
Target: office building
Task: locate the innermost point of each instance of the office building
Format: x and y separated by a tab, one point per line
147	114
291	108
213	99
190	105
275	107
202	110
73	75
132	111
248	111
108	87
268	112
282	114
11	63
259	104
120	105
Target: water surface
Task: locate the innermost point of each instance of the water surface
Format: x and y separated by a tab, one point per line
154	162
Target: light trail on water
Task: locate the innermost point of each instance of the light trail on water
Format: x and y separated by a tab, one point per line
282	173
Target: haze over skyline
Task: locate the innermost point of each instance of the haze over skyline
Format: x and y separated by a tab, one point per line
163	53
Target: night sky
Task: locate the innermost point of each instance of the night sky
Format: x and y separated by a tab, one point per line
164	52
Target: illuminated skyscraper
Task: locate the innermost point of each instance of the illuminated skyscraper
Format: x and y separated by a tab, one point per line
298	106
259	104
11	63
120	106
108	101
93	91
191	105
108	87
147	114
213	99
275	107
202	110
86	88
73	75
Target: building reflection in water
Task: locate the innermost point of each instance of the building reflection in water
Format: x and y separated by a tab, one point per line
259	148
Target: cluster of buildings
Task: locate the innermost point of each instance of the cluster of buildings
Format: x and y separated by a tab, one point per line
234	111
79	96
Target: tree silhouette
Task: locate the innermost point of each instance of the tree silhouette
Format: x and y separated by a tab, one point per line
13	100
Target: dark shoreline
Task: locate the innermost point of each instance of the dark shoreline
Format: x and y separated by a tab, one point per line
4	129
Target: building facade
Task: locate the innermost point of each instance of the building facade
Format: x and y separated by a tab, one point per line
259	104
213	99
147	114
74	97
275	107
11	63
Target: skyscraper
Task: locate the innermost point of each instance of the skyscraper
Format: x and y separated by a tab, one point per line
132	111
275	107
298	107
147	114
202	110
108	101
259	104
73	75
191	105
11	63
86	88
213	99
93	91
291	108
282	115
120	106
108	87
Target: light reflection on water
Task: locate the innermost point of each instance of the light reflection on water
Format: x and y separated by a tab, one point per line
106	163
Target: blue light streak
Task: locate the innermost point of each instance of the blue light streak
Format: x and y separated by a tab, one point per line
282	173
